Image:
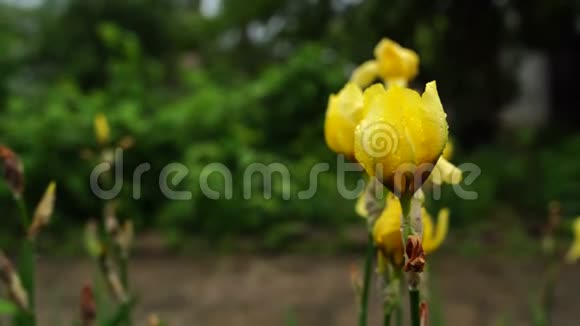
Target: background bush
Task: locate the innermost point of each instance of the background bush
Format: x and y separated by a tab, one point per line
249	83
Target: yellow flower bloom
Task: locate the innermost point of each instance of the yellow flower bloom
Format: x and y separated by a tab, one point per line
102	130
387	231
573	254
401	135
365	74
396	64
343	113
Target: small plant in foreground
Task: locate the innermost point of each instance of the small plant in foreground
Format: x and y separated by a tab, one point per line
19	280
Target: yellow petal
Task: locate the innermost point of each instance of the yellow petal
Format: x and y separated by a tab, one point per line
434	126
448	150
432	240
365	74
446	172
387	229
360	207
343	113
396	63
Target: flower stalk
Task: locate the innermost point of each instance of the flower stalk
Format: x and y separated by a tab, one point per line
414	254
368	268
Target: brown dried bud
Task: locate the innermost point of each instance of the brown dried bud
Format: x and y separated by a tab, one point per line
126	142
415	255
13	172
88	306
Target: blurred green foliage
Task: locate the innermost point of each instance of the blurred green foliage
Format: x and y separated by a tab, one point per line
249	83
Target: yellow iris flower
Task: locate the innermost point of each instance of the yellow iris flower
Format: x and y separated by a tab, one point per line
387	231
102	130
393	63
401	135
343	113
573	254
396	64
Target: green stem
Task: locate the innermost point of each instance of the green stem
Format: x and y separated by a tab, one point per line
399	314
406	212
362	318
414	301
387	317
124	270
547	299
407	230
388	301
24	220
398	275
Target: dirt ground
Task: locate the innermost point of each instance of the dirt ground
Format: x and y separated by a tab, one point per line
262	290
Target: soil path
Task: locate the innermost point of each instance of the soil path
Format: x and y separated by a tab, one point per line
261	290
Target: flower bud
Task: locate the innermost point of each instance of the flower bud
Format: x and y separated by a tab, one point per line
43	211
396	64
401	136
343	113
13	173
102	131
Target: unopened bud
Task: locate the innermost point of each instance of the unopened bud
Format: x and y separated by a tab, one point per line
43	211
12	281
13	173
102	131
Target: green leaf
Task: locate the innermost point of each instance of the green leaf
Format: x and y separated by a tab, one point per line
7	308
